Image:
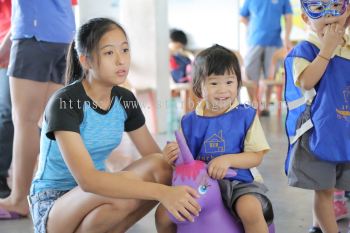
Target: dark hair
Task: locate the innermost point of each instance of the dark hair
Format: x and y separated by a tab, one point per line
178	36
86	42
214	60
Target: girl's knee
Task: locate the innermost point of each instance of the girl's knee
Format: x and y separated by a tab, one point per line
162	215
249	209
161	170
327	193
163	220
124	205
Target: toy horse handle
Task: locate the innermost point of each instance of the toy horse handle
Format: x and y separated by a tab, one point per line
230	173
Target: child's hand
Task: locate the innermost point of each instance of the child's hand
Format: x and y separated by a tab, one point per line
171	152
331	37
217	168
181	203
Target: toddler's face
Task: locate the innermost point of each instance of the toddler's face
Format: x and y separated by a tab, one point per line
219	92
319	13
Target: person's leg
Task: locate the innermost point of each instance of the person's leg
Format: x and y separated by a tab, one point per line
28	99
163	221
6	133
253	63
315	225
268	73
249	210
339	207
89	212
323	209
31	83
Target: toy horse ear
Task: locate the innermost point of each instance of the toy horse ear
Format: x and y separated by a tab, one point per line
185	155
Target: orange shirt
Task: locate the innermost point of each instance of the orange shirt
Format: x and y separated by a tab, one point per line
5	18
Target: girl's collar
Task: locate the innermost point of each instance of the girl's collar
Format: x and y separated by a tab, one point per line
201	106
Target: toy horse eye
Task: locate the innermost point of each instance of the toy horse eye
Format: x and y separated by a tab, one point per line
202	189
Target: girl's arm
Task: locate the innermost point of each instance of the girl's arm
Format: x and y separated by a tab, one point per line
330	39
245	159
144	141
244	20
218	166
178	200
90	179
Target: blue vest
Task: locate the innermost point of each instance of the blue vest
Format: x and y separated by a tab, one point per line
210	137
330	119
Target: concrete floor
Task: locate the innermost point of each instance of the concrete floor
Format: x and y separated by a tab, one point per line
292	206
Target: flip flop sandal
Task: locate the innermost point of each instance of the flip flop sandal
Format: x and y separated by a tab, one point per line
8	215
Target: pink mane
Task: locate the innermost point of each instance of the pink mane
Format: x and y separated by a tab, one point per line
189	171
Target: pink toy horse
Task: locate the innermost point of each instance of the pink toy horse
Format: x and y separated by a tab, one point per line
214	217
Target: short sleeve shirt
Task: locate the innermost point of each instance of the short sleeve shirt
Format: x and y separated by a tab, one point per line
50	21
264	16
70	109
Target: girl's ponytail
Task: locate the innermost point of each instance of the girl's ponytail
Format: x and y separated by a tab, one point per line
74	71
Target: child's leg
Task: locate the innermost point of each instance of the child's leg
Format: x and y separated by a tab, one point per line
323	209
340	210
249	210
163	222
87	212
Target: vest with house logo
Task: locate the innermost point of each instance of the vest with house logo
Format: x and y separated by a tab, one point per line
210	137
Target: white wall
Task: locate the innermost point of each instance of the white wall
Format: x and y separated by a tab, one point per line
146	23
88	9
206	22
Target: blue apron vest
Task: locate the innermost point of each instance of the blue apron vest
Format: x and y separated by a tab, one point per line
329	109
210	137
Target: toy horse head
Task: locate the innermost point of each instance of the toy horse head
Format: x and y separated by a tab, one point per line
214	217
193	173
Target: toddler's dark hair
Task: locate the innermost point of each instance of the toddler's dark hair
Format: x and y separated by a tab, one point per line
214	60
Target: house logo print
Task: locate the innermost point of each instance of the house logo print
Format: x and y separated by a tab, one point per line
215	143
344	112
346	93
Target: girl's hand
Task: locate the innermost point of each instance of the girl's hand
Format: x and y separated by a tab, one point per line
171	152
331	37
217	168
181	203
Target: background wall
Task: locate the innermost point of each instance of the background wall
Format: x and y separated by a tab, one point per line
206	21
88	9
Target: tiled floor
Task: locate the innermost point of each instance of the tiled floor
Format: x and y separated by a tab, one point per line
292	206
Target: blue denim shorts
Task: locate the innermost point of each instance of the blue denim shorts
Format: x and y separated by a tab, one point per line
40	206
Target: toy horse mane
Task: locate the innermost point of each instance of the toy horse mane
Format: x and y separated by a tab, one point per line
185	161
